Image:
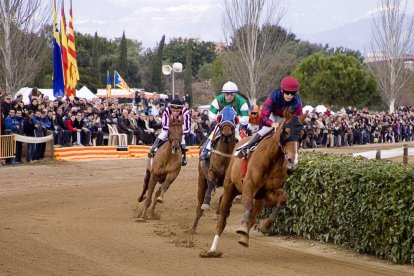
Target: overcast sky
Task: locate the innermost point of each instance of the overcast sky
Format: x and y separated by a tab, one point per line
148	20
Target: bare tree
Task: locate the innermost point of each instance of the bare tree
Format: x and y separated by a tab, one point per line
251	31
392	42
23	44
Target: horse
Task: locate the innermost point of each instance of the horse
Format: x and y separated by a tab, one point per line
163	168
213	175
263	182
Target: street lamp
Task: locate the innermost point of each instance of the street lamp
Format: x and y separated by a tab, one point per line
167	69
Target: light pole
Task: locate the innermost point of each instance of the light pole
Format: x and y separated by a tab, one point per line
167	69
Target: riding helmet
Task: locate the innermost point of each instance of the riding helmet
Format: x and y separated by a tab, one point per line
289	84
230	87
176	104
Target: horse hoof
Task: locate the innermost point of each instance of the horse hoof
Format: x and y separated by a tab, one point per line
216	216
242	230
264	227
160	200
205	207
141	198
141	220
244	240
211	254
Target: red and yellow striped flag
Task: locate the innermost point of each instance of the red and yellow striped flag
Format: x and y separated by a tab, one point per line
64	47
73	72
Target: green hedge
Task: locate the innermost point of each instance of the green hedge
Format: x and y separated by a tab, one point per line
366	205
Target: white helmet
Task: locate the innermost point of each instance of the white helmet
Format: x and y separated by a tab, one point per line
230	87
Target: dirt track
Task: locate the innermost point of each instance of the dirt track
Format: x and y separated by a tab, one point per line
61	218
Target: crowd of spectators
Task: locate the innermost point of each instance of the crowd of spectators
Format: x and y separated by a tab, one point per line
80	122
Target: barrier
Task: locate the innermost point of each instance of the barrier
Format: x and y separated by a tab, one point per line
108	152
8	147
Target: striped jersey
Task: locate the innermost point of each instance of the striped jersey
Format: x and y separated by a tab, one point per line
186	119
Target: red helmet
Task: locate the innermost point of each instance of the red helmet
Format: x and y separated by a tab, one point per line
289	84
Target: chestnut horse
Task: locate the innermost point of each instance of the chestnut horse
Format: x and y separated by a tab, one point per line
163	168
263	182
213	175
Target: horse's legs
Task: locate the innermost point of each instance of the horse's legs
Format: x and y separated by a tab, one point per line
217	214
257	208
166	184
247	197
229	194
145	186
151	186
264	226
202	187
211	185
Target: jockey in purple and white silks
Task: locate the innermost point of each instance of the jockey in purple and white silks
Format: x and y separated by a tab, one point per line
175	109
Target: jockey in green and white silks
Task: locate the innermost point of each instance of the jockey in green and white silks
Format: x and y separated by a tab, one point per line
229	96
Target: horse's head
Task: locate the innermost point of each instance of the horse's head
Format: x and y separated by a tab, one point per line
291	138
175	133
227	120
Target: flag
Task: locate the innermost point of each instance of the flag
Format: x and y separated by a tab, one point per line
108	85
64	48
118	81
58	79
73	73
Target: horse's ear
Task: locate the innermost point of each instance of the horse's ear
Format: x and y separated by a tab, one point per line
181	119
236	120
303	116
218	118
287	115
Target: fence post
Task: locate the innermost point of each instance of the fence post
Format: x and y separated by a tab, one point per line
405	154
378	154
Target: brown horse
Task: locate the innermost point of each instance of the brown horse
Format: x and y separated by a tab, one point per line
264	180
163	168
213	175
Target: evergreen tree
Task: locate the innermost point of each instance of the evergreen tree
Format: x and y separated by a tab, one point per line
123	56
155	72
188	74
95	58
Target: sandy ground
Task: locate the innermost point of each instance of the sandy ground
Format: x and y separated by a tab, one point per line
80	218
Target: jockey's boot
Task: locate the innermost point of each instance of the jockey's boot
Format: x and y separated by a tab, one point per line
154	148
184	156
245	149
205	153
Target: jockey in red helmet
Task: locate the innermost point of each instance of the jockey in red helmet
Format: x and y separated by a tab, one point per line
271	113
175	109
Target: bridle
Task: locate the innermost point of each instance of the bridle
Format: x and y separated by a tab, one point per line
296	127
227	138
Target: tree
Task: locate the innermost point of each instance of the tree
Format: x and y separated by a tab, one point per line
188	74
23	43
155	68
339	79
123	56
202	52
95	57
256	40
392	41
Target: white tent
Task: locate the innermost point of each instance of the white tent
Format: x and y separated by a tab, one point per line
320	108
25	91
85	93
307	108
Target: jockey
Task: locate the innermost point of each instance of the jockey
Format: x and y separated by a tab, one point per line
228	97
175	109
272	110
254	121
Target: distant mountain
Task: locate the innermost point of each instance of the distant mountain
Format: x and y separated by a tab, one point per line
355	36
